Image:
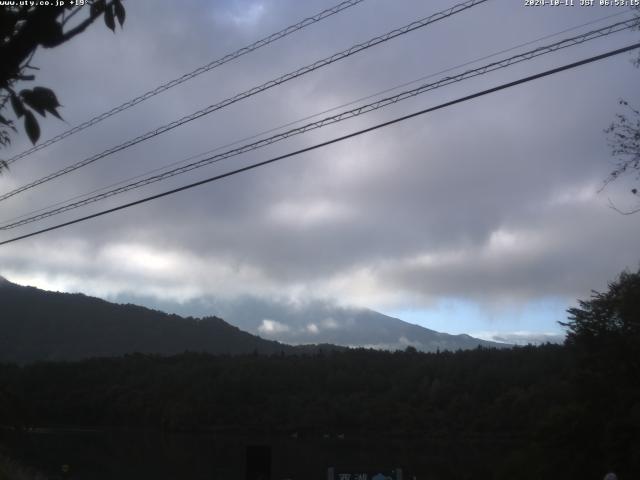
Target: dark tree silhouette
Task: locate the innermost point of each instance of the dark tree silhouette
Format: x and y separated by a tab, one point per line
612	313
607	327
554	411
24	28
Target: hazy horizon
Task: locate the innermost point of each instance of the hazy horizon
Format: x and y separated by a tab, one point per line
484	218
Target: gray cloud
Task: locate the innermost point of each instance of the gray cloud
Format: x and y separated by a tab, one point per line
493	200
522	337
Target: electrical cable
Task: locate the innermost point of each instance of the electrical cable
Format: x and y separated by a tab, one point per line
188	76
309	117
253	91
579	39
329	142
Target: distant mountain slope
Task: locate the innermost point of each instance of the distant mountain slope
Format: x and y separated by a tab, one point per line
40	325
325	322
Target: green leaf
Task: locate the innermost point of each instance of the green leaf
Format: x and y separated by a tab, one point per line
33	101
16	103
42	100
47	99
119	11
48	96
55	113
31	126
109	19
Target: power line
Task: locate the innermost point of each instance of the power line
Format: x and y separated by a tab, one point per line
188	76
253	91
332	141
334	119
309	117
491	67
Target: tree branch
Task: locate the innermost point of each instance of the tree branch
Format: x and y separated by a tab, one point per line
81	27
71	15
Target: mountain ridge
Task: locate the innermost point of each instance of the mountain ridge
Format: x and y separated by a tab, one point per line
322	321
38	325
369	328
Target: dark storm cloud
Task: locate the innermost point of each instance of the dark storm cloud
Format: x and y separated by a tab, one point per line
490	200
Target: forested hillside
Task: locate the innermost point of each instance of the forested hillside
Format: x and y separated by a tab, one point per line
537	412
40	325
552	411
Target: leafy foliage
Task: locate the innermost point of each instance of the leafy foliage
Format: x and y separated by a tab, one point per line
624	140
517	413
24	28
615	313
570	411
42	100
606	330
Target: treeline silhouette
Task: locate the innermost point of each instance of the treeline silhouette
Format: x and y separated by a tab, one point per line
532	412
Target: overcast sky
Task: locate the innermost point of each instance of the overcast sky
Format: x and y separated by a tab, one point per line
480	218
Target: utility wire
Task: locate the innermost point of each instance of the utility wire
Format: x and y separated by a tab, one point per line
253	91
617	27
332	141
188	76
309	117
